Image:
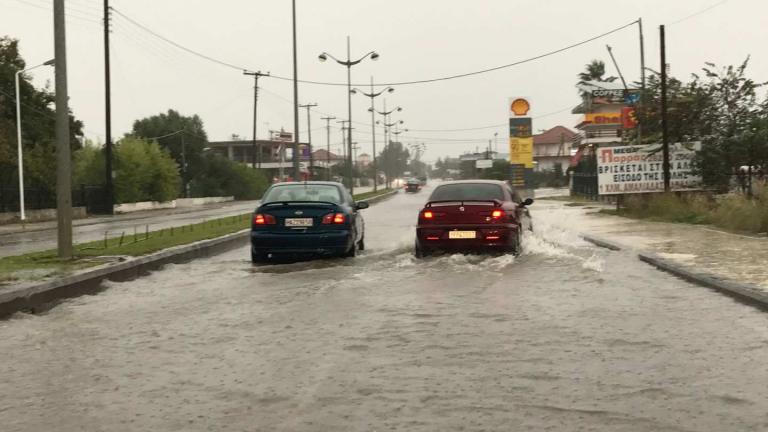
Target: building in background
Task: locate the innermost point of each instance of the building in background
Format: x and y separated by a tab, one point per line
364	160
553	147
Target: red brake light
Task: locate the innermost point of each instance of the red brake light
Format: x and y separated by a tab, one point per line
428	215
264	219
497	214
334	218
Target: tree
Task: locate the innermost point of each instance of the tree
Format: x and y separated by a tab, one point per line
394	160
39	123
222	177
144	172
183	136
594	71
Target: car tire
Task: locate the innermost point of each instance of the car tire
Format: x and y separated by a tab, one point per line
517	243
257	258
418	252
352	252
361	243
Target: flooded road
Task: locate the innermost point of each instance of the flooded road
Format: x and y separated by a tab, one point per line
565	337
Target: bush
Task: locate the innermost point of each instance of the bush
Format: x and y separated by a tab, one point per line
222	177
144	172
732	212
739	213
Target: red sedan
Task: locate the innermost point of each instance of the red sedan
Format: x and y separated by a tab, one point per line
472	215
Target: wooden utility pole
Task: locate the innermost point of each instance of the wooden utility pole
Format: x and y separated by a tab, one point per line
63	156
328	146
309	135
664	123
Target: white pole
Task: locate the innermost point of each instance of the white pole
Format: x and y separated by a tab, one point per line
21	154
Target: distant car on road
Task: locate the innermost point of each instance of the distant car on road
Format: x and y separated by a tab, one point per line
472	215
412	186
307	219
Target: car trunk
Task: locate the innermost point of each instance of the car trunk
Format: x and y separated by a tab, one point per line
462	212
299	213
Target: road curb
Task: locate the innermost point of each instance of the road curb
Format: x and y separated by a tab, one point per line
747	293
597	241
41	297
382	197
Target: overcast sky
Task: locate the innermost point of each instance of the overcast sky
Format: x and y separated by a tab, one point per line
416	39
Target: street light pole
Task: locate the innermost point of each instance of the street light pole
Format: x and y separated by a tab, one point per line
328	147
373	95
309	135
22	213
256	76
349	63
108	146
296	149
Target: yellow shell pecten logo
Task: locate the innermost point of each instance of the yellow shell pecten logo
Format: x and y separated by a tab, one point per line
520	107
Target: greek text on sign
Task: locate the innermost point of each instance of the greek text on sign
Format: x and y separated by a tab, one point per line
640	169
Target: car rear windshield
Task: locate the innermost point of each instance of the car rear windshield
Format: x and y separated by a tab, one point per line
467	192
303	192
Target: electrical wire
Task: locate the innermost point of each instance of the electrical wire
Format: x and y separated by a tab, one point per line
695	14
401	83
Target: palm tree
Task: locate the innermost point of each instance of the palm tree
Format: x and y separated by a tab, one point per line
594	71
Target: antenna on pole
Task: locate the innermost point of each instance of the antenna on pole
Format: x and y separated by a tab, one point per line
624	82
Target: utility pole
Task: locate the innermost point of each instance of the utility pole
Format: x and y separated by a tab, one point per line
185	179
642	79
664	125
328	148
108	185
344	139
63	157
616	65
309	135
256	76
296	149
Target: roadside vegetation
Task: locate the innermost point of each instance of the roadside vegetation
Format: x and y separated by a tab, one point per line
138	242
733	212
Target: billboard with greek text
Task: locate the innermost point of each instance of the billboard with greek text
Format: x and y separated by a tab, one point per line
640	168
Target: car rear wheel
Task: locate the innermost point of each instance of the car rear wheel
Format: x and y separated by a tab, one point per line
418	252
258	257
361	243
352	252
517	244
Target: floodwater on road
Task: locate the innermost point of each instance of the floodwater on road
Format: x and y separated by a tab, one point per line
565	337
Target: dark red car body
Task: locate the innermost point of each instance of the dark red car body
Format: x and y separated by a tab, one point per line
472	215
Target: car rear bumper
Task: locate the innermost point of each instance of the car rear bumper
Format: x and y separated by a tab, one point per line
487	238
328	243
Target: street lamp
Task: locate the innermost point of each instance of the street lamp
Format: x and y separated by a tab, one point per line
373	95
349	63
22	213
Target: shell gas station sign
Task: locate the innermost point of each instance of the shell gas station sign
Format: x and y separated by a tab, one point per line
520	132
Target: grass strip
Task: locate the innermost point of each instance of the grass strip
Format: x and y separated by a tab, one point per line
40	265
369	195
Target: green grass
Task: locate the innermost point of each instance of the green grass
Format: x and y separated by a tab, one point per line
732	212
39	265
573	199
369	195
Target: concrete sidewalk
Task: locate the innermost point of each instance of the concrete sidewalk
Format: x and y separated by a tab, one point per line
700	248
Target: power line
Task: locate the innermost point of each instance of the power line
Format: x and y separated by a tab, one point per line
695	14
424	81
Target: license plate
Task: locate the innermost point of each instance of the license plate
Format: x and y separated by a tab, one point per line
458	235
298	222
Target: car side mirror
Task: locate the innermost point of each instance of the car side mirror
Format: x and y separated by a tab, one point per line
527	202
362	205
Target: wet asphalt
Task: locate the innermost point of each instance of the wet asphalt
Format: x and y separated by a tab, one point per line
566	337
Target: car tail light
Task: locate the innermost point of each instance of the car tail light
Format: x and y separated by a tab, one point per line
334	218
497	214
492	237
427	214
433	238
264	219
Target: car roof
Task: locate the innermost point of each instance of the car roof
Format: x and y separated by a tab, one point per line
310	183
495	182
